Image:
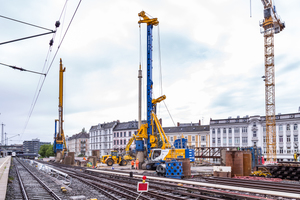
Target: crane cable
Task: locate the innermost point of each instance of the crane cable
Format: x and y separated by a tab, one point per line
160	74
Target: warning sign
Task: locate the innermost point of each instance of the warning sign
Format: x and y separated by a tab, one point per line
142	187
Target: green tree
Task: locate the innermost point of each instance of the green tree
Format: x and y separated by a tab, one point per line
46	150
43	150
50	151
83	130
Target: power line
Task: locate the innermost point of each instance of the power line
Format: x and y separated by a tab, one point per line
22	69
25	23
43	81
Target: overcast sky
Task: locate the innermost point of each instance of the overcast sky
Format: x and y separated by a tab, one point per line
212	60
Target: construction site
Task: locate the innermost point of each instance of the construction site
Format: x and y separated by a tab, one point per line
155	164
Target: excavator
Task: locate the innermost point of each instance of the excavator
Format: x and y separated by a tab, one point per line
116	158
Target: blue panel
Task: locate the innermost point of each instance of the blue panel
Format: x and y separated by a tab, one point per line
139	145
149	84
59	146
174	169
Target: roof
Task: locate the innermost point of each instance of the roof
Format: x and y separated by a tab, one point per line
185	129
128	125
103	126
79	135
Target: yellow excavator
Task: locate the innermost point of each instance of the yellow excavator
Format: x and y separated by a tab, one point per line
116	158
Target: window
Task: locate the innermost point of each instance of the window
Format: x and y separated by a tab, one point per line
244	130
114	134
280	128
295	138
214	140
213	131
171	139
236	130
288	150
203	139
114	142
135	132
254	134
121	134
236	140
244	139
193	138
219	140
295	127
254	124
265	139
219	130
280	138
224	140
288	128
229	130
295	149
288	138
230	140
124	134
265	149
224	130
117	142
120	142
281	150
117	134
129	134
264	129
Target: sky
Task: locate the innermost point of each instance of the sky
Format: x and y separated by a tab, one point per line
208	59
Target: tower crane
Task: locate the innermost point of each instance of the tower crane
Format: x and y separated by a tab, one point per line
59	146
271	24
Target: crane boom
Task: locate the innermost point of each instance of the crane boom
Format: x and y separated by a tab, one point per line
60	142
271	24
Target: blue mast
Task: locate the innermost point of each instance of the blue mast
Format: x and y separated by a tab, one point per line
149	84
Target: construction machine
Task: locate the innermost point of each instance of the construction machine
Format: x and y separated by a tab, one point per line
158	148
59	145
114	158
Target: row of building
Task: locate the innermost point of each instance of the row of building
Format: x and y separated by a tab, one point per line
229	132
28	147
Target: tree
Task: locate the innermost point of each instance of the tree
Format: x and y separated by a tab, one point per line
46	150
50	151
83	130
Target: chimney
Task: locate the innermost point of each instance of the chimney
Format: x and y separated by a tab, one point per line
199	122
178	124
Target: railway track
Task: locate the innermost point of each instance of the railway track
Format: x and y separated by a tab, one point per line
272	186
31	186
116	187
125	186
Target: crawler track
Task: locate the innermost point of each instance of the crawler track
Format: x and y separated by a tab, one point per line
31	186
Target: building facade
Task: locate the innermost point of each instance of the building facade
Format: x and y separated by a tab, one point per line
251	131
78	143
122	134
196	134
101	137
33	146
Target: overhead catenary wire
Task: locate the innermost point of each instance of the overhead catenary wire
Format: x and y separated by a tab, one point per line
50	65
22	69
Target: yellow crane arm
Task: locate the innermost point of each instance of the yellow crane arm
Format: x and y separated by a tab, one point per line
162	134
129	144
159	99
147	20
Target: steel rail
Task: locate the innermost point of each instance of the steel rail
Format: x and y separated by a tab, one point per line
23	191
220	186
53	194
